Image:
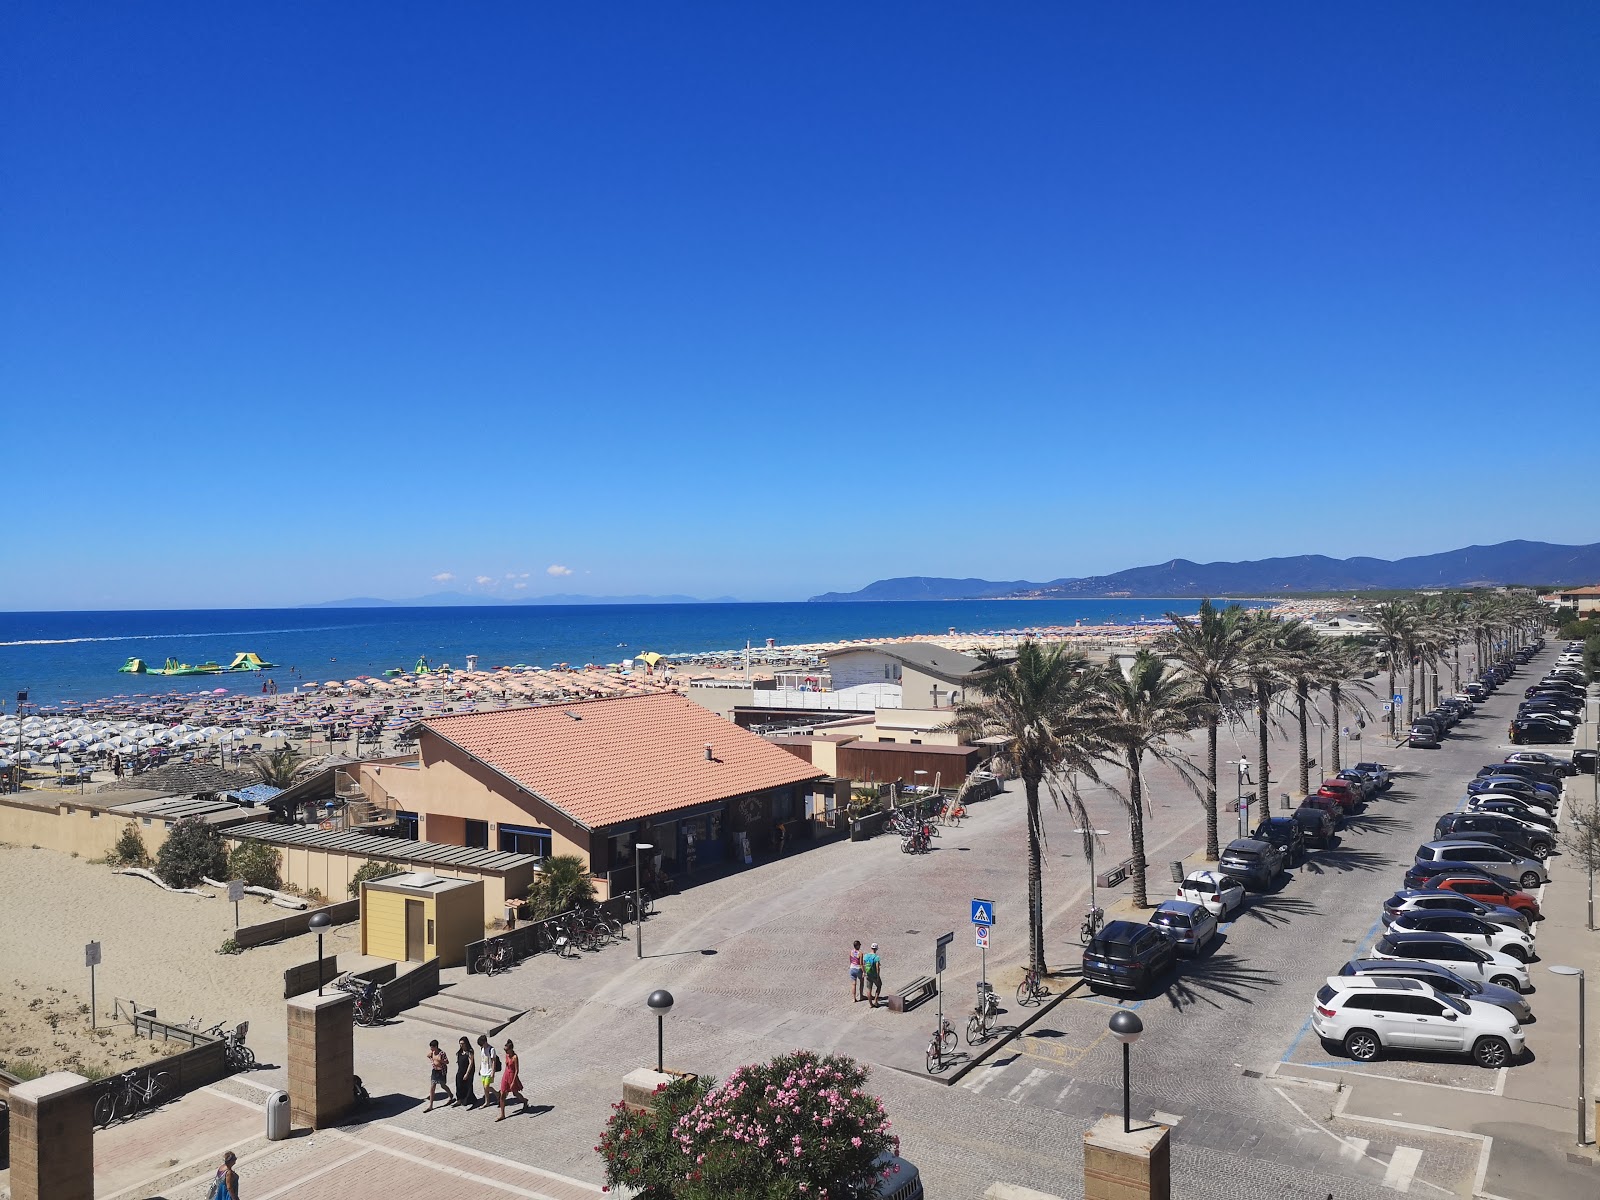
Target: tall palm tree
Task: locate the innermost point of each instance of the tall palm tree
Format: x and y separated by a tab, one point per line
1047	713
1347	660
1210	650
1393	622
1302	656
1149	705
1272	648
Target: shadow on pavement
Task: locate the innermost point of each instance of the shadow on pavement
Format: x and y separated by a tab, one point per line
1345	861
1372	822
1221	975
1276	910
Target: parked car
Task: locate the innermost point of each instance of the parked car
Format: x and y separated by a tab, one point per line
1126	956
1519	836
1476	692
1221	894
1316	825
1487	890
1529	872
1538	793
1364	785
1562	711
1379	772
1327	804
1188	926
1464	927
1367	1015
1342	790
1423	736
1286	834
1511	806
1442	979
1257	864
1560	768
1466	961
1535	731
1439	900
1421	874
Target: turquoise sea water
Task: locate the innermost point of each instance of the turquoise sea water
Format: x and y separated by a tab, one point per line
75	655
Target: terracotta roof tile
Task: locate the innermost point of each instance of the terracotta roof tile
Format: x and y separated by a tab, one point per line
603	762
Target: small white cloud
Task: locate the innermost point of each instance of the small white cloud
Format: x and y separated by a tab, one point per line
483	580
519	586
557	570
443	577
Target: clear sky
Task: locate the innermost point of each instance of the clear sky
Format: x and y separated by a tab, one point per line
302	300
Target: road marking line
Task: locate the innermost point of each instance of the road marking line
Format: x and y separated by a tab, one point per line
1354	1147
447	1169
211	1091
990	1074
1032	1079
1402	1166
1343	1141
318	1173
483	1154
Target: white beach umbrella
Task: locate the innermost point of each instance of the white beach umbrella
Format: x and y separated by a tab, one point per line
149	743
58	760
26	756
71	745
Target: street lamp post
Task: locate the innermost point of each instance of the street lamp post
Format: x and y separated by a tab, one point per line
1088	845
320	921
639	850
1126	1028
1583	1124
660	1003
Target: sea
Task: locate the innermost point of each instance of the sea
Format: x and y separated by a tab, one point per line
60	656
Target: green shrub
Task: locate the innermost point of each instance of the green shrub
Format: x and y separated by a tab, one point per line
563	885
130	848
229	946
255	863
372	869
192	851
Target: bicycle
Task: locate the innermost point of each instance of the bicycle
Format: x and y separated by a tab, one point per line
131	1096
1094	919
566	947
239	1056
1031	990
497	957
955	814
980	1025
941	1046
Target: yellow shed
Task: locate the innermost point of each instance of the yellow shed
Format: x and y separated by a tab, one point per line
415	917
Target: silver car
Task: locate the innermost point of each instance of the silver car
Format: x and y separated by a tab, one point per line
1528	872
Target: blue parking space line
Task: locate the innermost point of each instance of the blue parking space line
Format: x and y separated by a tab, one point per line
1304	1029
1136	1005
1365	944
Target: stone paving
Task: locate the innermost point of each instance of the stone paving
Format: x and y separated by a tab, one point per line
756	961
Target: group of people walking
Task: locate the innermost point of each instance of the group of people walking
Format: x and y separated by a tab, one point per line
499	1075
866	974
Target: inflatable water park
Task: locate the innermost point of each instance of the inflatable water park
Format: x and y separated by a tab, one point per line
241	662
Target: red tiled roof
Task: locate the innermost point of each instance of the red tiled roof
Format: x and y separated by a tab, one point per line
623	759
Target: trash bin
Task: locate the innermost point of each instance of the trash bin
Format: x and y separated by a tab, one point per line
277	1116
1176	867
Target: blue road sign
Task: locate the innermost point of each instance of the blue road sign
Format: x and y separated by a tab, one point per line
1398	697
983	912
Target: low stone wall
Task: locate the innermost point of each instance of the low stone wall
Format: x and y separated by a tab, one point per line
415	985
275	931
302	979
538	936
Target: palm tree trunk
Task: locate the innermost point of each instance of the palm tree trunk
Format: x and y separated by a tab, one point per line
1035	880
1333	700
1392	712
1212	852
1136	830
1263	699
1411	690
1305	766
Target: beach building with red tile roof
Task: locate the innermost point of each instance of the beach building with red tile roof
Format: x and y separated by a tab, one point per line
594	778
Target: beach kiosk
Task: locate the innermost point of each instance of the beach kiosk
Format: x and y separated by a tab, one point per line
415	917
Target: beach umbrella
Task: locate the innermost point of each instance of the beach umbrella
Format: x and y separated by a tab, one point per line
26	756
58	760
71	745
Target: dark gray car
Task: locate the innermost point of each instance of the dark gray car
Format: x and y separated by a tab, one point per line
1256	863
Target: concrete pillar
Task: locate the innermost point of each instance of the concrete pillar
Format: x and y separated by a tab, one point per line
52	1138
321	1058
1126	1166
639	1088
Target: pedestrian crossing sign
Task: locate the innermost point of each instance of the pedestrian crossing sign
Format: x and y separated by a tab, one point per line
983	912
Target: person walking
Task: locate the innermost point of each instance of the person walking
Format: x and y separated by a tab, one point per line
511	1080
873	964
858	987
488	1069
465	1062
1244	770
226	1185
437	1080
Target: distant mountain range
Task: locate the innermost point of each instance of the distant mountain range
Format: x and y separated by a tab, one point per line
1471	566
461	600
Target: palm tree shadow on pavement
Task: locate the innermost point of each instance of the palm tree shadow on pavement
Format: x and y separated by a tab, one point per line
1372	822
1276	910
1346	861
1222	975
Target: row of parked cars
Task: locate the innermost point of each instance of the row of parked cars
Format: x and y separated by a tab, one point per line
1449	971
1130	957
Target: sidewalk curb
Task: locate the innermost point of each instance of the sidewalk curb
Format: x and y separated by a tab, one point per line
1016	1031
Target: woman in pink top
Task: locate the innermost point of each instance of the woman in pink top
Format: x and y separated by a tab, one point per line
857	988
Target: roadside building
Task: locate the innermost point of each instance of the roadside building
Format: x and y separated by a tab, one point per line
592	779
930	677
1585	599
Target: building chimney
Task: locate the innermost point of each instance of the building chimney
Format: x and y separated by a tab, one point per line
708	753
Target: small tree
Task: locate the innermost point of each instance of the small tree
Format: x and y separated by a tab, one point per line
563	884
192	851
130	848
255	863
1582	838
372	869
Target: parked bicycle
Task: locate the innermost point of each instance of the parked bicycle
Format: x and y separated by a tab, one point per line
1031	990
131	1095
497	957
369	1007
941	1046
1094	919
980	1025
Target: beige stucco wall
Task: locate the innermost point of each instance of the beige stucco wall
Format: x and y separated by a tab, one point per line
81	831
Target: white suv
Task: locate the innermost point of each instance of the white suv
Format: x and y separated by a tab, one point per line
1366	1014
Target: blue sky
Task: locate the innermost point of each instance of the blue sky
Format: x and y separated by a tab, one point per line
300	301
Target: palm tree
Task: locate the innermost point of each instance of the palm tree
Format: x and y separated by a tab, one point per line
1210	650
1145	708
1393	621
561	884
1347	660
277	767
1272	648
1046	713
1302	659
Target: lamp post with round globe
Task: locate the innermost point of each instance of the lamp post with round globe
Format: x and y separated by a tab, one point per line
1583	1122
660	1003
319	922
1126	1028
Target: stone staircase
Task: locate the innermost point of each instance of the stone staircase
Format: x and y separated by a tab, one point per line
462	1014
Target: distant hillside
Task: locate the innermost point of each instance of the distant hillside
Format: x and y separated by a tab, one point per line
462	599
1508	562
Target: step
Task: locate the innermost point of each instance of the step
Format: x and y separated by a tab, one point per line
473	1016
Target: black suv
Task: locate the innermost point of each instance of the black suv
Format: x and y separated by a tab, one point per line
1286	834
1503	830
1316	825
1128	957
